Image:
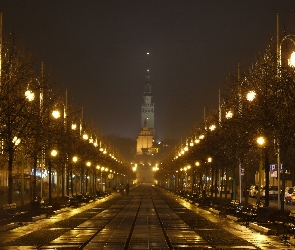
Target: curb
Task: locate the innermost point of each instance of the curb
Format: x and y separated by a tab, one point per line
259	228
9	226
252	225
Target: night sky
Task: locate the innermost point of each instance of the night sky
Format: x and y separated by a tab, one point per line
97	50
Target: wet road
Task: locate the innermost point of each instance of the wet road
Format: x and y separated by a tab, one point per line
148	218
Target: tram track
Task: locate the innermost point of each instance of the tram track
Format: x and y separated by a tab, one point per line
132	227
162	226
211	232
148	218
45	235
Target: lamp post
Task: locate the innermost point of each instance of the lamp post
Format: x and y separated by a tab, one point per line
209	161
55	114
74	159
101	179
176	181
53	153
261	142
291	59
88	164
30	97
290	63
185	178
105	177
197	164
193	179
97	168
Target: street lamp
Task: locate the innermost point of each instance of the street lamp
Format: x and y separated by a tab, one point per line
74	126
102	180
97	168
106	174
229	114
55	114
212	127
30	95
261	142
197	164
53	154
85	136
251	95
291	59
291	63
88	164
209	161
74	159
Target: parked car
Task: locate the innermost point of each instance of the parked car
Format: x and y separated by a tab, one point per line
289	194
273	192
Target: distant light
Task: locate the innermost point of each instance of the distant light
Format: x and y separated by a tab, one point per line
74	126
147	53
251	95
53	153
291	61
56	114
30	95
75	159
212	127
260	141
16	140
229	114
85	136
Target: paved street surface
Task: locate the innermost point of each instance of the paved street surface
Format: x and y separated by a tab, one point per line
148	218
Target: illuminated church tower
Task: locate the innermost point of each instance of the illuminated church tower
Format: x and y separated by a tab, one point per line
147	108
146	159
146	136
